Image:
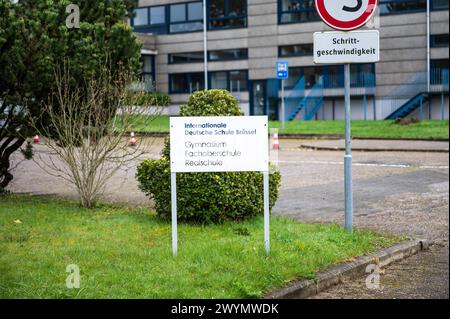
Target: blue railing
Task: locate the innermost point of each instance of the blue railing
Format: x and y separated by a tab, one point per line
304	104
439	78
313	102
357	80
294	98
401	94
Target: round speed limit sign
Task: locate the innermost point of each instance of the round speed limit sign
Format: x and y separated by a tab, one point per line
346	15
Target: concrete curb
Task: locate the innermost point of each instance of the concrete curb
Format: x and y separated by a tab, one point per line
359	149
306	288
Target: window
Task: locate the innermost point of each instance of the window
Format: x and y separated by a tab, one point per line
150	20
439	72
158	15
233	81
295	50
178	13
195	11
401	6
186	82
334	77
439	4
362	75
312	75
186	17
439	40
294	11
238	81
219	55
187	57
140	17
294	75
219	80
225	14
226	55
148	64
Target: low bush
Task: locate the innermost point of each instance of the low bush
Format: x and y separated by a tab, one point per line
407	121
207	197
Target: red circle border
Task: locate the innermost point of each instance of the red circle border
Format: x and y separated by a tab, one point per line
345	25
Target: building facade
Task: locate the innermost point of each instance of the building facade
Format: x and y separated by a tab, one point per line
246	38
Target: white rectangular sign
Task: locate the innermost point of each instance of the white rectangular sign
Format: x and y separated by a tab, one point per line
219	144
346	47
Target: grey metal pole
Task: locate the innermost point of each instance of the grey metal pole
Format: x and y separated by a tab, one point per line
173	183
205	43
348	155
266	214
365	107
283	108
428	48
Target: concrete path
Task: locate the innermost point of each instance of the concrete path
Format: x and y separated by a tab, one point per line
405	193
378	145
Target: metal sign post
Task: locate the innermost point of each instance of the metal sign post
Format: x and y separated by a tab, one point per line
348	154
283	108
266	214
346	48
283	74
173	188
219	144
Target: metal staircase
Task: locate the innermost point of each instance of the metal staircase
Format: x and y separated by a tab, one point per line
405	98
307	105
294	98
410	106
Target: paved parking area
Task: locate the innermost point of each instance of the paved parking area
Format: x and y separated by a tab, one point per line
397	192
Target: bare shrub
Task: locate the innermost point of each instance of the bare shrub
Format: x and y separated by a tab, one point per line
87	130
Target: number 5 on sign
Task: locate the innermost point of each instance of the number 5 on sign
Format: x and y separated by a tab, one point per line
346	15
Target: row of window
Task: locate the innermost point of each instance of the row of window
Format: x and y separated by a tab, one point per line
233	81
362	75
238	54
296	11
296	50
226	14
332	76
188	17
217	55
307	49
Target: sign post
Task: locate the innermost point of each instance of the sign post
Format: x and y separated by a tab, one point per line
283	74
346	48
348	154
219	144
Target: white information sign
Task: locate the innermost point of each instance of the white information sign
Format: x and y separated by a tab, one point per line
346	47
219	144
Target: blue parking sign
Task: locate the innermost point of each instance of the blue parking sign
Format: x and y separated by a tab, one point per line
282	70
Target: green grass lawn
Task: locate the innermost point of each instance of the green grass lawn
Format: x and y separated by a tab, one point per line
126	253
360	129
370	129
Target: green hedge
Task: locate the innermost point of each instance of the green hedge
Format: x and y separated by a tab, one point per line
206	197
